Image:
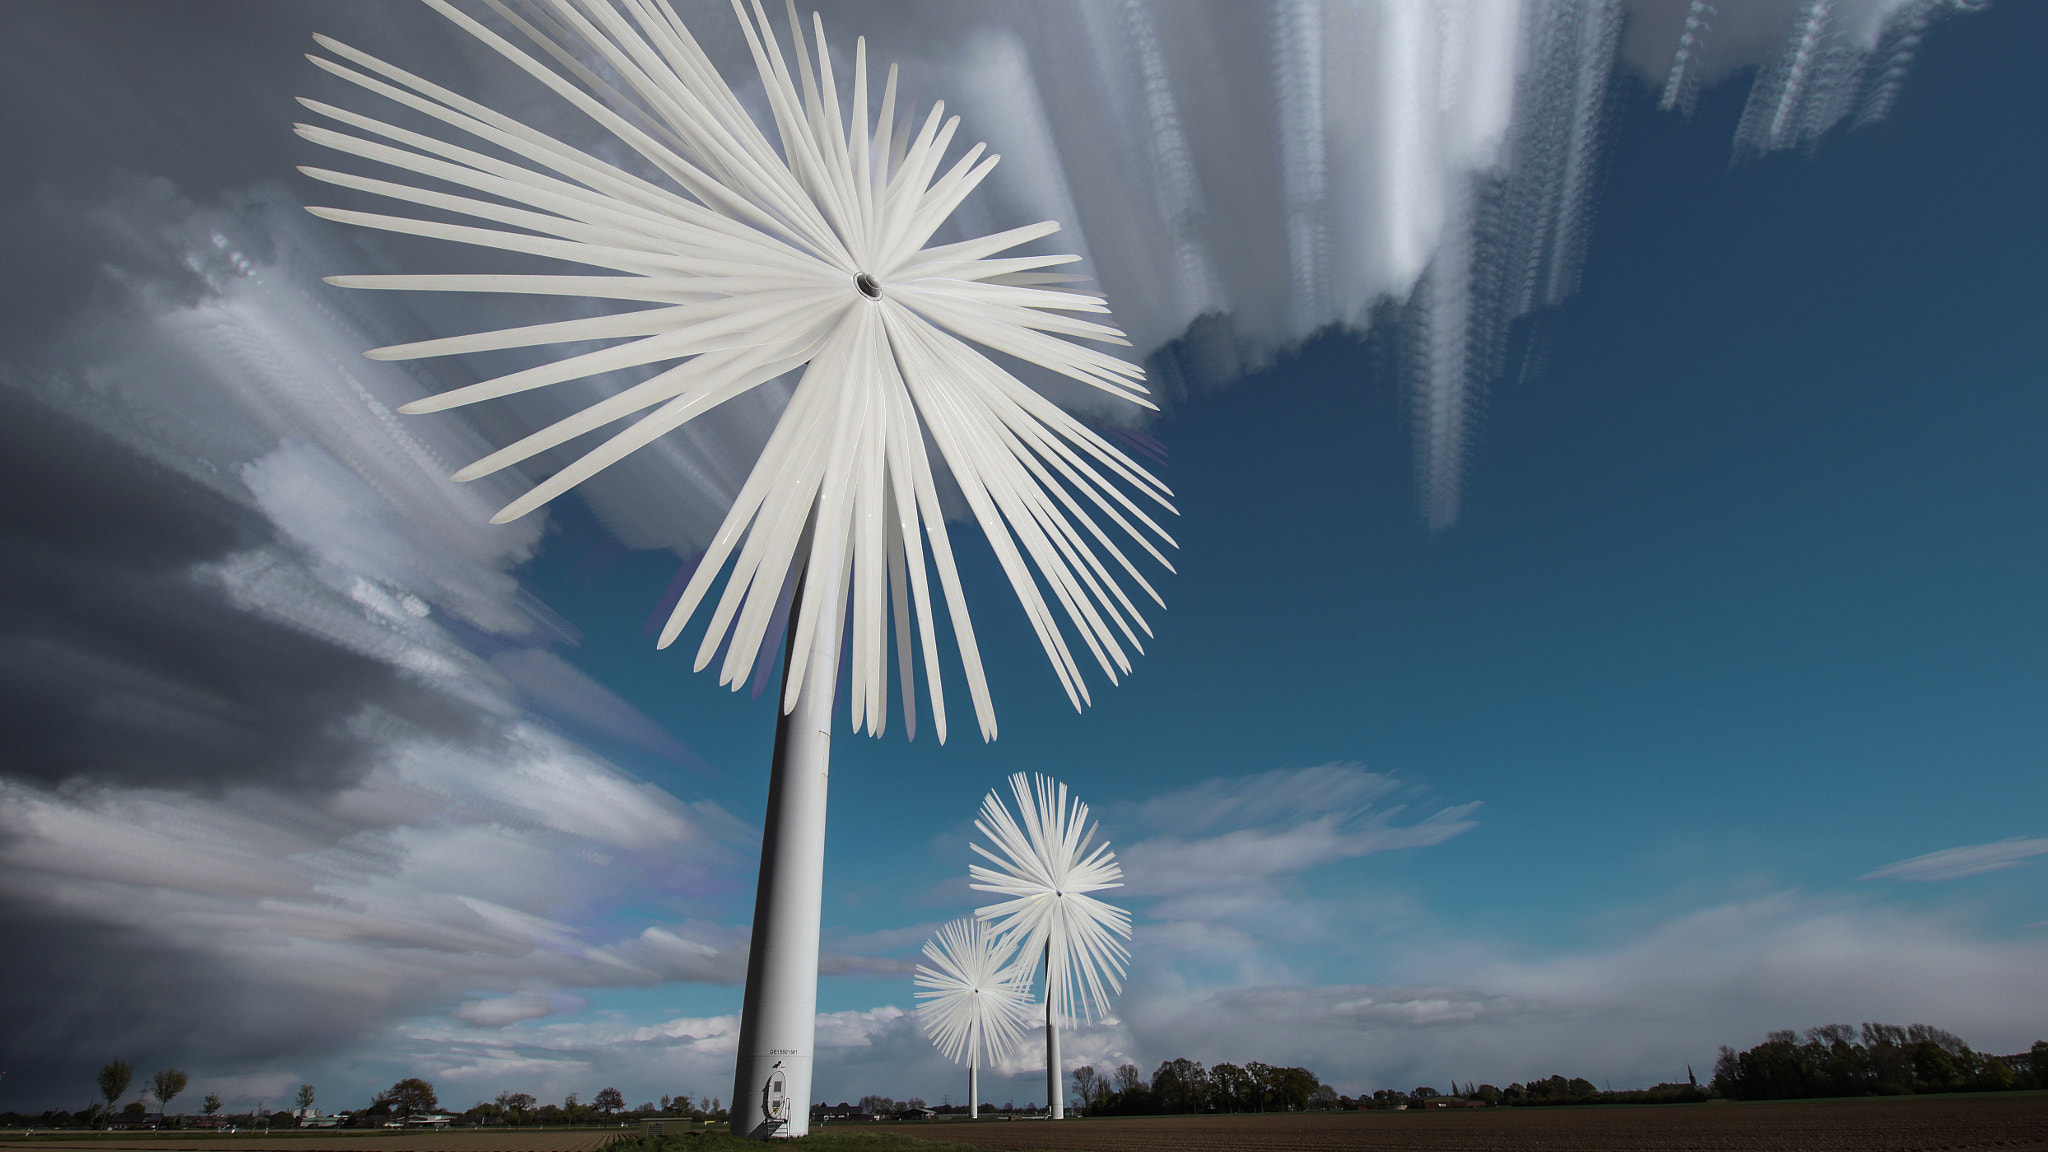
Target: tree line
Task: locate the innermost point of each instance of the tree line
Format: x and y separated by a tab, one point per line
1183	1085
410	1097
1878	1060
1827	1060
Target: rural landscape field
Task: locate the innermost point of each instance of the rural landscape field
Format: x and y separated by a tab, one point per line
2009	1122
485	1140
1906	1125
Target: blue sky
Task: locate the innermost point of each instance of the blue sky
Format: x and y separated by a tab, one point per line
1740	618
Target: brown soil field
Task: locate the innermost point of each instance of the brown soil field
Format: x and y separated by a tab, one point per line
490	1140
2010	1123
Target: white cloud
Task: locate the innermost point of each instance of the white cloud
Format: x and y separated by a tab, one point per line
502	1010
1637	1012
473	859
1956	863
1231	837
555	687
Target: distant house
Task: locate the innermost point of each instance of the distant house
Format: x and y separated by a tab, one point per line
916	1114
429	1120
840	1111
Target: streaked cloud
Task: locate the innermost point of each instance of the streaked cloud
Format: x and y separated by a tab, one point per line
296	771
1231	836
1956	863
1637	1011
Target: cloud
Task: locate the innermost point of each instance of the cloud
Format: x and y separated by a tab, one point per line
124	661
274	782
549	684
1637	1012
354	913
1956	863
502	1010
1229	838
265	675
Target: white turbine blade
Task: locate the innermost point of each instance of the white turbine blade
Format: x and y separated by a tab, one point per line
1044	859
727	323
653	289
752	253
733	377
899	602
973	997
983	271
911	471
969	252
597	186
788	471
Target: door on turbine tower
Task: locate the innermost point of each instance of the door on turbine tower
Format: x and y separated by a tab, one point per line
775	1096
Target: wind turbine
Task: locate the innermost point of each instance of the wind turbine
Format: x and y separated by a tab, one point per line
975	999
1047	865
758	258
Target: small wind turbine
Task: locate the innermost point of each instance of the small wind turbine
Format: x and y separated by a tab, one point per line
975	999
1044	861
757	259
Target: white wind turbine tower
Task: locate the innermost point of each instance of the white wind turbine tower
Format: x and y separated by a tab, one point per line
1047	864
756	258
976	1002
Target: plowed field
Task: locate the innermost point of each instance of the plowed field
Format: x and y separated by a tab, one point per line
488	1140
2009	1123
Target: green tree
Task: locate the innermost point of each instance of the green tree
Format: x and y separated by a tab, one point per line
516	1104
409	1097
114	1078
210	1104
1181	1085
305	1098
608	1100
1264	1081
1935	1068
1232	1088
1294	1087
167	1083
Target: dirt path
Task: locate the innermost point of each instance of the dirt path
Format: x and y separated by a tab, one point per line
1950	1124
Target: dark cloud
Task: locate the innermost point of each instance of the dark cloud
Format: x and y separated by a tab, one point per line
196	95
118	663
88	992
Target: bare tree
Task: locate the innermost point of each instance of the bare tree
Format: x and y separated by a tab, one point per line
305	1099
608	1100
1085	1081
